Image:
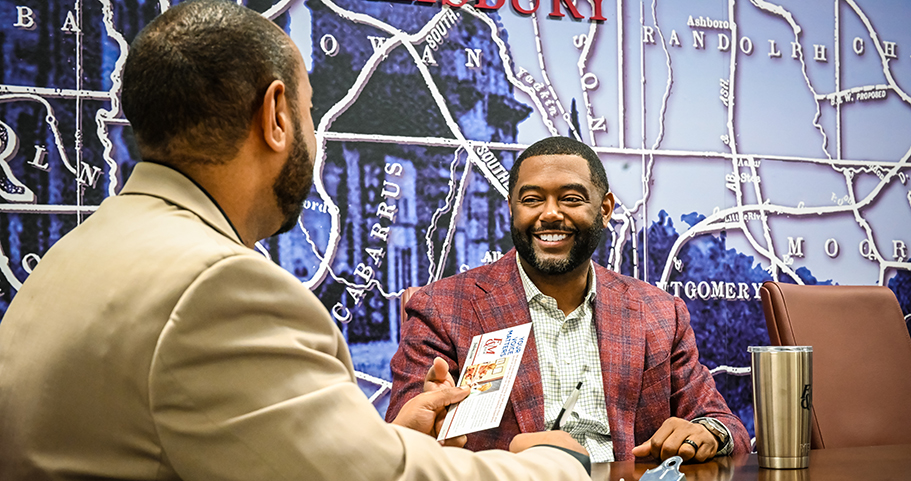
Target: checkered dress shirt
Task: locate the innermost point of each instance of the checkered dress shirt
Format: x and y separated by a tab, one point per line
566	344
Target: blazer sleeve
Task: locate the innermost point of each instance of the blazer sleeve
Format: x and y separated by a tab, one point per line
252	380
423	337
693	391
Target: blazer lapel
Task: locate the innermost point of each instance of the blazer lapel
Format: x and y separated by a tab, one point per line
503	304
621	342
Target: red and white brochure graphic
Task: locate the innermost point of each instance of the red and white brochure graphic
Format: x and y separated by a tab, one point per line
490	370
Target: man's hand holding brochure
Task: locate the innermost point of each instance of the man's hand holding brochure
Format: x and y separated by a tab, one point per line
489	373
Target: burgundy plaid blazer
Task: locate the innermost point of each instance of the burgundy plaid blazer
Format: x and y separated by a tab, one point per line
649	361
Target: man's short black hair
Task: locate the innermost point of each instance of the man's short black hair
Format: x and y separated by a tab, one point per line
563	146
197	74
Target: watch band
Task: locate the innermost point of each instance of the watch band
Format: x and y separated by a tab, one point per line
721	433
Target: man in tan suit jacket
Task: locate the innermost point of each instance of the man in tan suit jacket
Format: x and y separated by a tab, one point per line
153	343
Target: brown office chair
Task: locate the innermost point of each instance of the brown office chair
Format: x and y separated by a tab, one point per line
861	359
406	294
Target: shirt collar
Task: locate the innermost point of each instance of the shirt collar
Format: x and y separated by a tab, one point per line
532	291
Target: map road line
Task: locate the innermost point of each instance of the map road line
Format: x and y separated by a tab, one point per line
454	143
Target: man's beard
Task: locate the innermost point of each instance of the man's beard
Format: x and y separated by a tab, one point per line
584	244
294	181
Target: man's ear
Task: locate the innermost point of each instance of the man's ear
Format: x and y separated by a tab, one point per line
607	208
275	117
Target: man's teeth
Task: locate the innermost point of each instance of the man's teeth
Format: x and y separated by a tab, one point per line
552	237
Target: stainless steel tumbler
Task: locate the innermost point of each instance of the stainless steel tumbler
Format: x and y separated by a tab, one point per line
782	396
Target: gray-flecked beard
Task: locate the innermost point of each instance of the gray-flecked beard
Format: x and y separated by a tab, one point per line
584	244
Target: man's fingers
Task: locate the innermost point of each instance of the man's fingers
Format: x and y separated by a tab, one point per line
457	441
444	397
652	447
658	440
438	422
705	444
422	412
438	370
669	440
705	452
690	443
674	445
556	438
642	450
679	437
687	451
438	376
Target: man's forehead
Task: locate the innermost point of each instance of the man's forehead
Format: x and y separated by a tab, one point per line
550	165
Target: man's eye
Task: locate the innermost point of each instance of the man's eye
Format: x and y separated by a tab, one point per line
573	200
530	200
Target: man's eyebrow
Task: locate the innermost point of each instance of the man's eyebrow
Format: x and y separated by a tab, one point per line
574	186
577	187
525	188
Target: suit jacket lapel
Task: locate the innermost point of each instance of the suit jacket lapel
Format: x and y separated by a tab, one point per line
621	341
503	304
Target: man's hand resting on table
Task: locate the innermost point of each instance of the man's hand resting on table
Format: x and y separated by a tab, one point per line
669	439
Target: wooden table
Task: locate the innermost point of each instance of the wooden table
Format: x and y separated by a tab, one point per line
874	463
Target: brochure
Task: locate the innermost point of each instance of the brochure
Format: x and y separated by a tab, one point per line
490	370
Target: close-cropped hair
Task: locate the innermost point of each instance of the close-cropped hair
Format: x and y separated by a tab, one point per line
563	146
196	75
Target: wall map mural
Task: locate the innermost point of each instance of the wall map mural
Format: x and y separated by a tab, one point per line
745	141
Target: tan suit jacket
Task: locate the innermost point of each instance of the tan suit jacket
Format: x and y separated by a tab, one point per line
150	344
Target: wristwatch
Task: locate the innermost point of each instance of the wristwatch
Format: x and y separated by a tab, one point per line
720	431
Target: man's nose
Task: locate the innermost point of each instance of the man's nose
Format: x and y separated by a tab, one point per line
552	212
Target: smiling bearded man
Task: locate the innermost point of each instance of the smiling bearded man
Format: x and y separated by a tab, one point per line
644	391
584	242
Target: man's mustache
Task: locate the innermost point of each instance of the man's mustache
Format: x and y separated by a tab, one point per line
554	228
